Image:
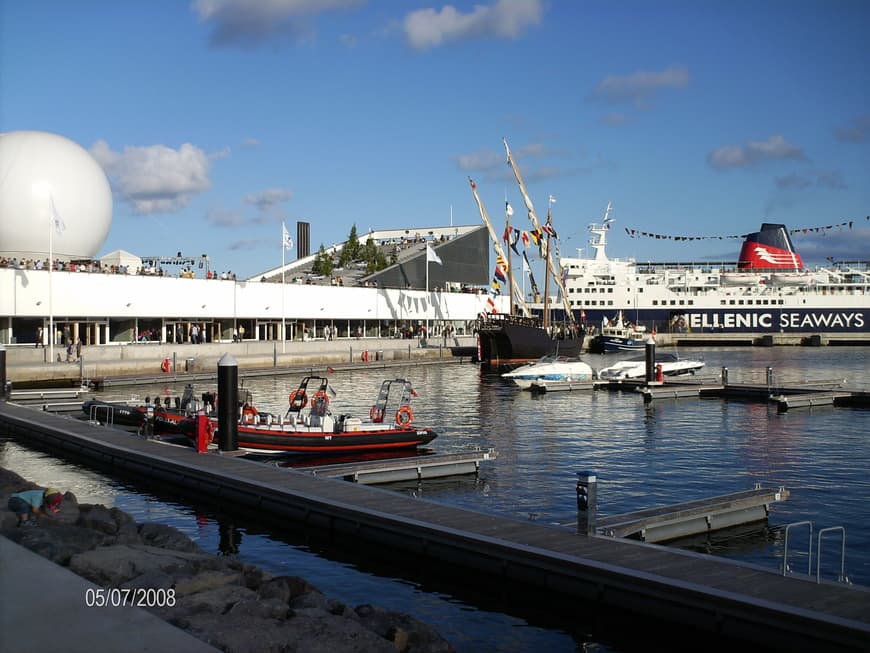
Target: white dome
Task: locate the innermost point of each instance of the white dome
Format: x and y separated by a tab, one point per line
38	170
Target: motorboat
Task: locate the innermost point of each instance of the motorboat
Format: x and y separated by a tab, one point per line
635	368
620	335
310	426
550	368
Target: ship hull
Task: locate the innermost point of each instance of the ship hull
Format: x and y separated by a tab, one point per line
505	340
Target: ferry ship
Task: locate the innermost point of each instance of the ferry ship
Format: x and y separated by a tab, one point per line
767	290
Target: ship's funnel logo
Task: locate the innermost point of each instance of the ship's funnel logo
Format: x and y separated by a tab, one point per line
775	258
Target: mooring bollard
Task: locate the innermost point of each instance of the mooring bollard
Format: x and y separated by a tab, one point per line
769	376
587	498
3	389
228	403
724	376
650	359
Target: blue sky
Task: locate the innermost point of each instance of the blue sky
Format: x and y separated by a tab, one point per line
216	120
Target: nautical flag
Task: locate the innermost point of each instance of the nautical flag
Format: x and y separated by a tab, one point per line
536	237
496	286
549	229
499	260
56	220
516	239
526	267
552	200
432	256
525	238
285	237
508	209
499	274
507	234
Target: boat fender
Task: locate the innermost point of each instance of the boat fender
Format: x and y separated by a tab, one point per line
249	414
404	416
298	399
376	414
660	375
365	356
166	365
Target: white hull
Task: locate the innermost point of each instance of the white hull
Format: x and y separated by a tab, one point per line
550	368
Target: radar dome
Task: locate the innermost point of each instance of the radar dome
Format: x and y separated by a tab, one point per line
52	191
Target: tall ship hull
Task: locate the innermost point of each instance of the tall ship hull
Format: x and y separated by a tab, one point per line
768	290
511	339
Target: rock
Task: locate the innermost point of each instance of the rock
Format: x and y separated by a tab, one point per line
421	638
166	537
57	542
206	580
97	517
216	601
257	608
313	599
153	579
112	565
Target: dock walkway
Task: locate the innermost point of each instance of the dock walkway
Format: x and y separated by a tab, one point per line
676	589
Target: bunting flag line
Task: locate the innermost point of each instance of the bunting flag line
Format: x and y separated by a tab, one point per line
515	240
499	274
636	233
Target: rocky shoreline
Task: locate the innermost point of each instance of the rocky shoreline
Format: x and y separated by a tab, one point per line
233	606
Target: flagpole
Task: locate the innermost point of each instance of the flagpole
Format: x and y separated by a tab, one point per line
427	290
51	228
283	312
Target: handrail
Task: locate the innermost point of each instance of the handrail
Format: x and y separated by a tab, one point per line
830	529
809	547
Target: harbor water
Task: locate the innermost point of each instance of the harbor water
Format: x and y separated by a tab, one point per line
644	456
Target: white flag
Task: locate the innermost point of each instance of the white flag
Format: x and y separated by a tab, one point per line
54	216
432	256
285	237
552	200
508	209
526	267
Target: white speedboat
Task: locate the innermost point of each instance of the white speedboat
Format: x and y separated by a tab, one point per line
635	368
551	368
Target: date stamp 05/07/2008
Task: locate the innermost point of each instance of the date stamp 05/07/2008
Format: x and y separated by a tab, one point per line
130	597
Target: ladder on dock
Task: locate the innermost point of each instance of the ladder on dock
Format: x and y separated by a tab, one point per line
786	570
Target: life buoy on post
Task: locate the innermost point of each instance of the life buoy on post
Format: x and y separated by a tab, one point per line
166	365
365	356
298	399
404	416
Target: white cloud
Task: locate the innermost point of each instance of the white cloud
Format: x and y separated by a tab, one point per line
754	153
156	178
253	22
267	199
507	19
638	88
226	218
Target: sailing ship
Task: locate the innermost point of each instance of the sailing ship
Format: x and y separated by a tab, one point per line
508	339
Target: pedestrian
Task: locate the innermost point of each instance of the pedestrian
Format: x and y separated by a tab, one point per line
194	334
29	504
39	342
78	348
241	332
235	335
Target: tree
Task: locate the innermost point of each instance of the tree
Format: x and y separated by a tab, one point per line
351	250
322	262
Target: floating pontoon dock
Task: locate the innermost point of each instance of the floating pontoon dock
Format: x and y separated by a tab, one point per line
676	594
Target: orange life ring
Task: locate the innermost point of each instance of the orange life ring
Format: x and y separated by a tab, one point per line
320	396
376	414
298	399
365	356
249	414
404	416
165	365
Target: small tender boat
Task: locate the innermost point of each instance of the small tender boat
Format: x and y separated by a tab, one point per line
635	368
165	417
311	427
741	279
550	368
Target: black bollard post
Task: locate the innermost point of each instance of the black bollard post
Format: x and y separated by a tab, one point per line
228	403
3	390
769	377
650	360
724	376
587	499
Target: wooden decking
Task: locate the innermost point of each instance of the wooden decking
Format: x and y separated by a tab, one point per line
675	588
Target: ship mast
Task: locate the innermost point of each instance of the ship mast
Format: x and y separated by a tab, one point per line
551	266
521	302
547	277
508	211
